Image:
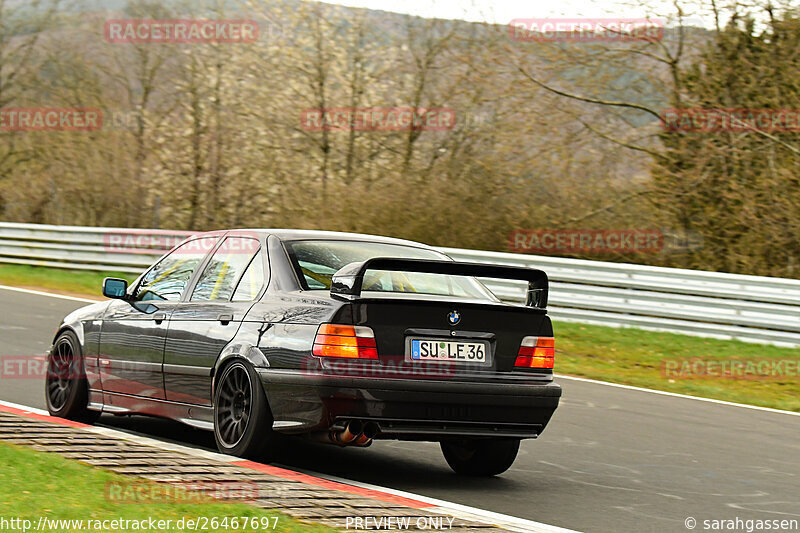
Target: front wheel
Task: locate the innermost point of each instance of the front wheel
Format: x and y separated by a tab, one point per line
242	421
66	388
480	457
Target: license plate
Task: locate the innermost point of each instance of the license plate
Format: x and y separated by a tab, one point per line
439	350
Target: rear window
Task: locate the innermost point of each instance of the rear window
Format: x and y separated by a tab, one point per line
317	261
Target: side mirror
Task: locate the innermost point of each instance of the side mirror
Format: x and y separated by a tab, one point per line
115	288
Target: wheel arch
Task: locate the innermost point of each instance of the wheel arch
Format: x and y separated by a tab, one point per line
78	332
236	351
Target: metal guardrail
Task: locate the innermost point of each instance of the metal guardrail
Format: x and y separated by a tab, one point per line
85	248
710	304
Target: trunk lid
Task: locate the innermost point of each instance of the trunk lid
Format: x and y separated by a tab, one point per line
396	321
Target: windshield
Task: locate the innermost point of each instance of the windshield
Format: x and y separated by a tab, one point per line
317	261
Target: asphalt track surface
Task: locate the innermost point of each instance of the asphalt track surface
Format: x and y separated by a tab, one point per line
612	459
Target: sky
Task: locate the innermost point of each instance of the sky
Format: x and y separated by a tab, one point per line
503	11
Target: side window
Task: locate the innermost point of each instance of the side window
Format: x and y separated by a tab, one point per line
167	279
219	279
251	283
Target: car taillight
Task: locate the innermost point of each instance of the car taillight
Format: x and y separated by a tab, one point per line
341	340
536	352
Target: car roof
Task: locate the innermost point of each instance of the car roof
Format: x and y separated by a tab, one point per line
302	234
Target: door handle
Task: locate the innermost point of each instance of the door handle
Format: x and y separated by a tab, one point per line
225	319
159	317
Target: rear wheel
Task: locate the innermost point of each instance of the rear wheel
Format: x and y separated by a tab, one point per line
480	457
66	388
242	421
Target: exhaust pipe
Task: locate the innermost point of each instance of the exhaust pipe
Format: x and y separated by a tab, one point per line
342	437
354	433
371	429
350	433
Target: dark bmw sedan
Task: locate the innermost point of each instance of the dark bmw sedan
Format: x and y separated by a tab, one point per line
339	337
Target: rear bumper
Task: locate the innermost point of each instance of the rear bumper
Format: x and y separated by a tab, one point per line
410	408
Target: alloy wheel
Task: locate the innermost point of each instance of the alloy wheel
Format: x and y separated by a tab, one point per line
59	373
235	404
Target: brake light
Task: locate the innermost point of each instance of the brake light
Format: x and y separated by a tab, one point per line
341	340
536	352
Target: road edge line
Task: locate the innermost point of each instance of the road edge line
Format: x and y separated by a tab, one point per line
388	495
50	294
679	395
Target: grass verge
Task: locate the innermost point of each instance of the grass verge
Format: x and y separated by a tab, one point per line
620	355
79	282
36	484
765	375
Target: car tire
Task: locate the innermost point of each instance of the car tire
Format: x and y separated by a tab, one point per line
242	419
66	388
480	457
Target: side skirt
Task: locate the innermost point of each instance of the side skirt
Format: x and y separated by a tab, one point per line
197	416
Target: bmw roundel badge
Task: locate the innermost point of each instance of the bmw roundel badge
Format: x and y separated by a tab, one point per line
454	317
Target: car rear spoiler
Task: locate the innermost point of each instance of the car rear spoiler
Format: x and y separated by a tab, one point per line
348	280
